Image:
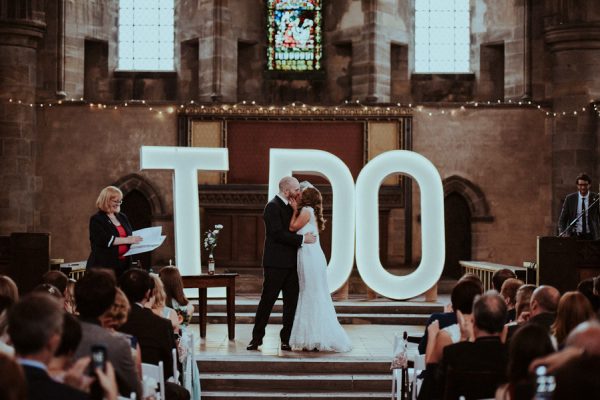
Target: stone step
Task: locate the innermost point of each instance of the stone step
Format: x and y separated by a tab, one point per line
278	365
295	382
298	395
244	305
350	319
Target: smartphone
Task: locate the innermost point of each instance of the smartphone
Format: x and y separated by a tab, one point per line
98	357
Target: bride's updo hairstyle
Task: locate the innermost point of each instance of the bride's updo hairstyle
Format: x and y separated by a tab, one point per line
311	197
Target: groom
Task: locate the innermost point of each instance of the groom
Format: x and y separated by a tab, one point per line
279	262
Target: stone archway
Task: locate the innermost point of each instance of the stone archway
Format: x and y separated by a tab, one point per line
137	182
142	205
464	204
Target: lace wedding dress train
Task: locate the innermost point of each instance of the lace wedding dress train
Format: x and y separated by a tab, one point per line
315	323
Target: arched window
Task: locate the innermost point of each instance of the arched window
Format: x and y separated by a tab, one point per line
294	35
146	35
442	36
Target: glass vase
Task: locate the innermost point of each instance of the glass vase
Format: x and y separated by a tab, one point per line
211	264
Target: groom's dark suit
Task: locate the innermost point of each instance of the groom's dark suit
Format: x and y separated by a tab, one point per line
280	263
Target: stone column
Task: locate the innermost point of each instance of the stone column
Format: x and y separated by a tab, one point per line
21	26
573	36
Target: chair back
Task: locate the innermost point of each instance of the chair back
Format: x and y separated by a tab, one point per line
175	370
155	372
472	384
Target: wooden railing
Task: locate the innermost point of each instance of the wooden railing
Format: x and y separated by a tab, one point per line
485	270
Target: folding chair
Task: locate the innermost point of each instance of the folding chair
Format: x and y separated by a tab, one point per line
155	372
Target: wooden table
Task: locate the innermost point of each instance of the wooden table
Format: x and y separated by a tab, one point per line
204	281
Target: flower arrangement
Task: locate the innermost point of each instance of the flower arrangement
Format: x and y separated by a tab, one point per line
210	238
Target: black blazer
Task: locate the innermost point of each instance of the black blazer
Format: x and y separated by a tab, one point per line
154	334
569	212
102	236
445	319
41	387
281	245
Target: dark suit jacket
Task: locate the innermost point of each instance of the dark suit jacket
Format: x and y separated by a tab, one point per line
485	354
154	334
102	236
41	387
445	319
569	212
281	245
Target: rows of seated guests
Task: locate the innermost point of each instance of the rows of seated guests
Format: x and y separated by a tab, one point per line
47	336
491	344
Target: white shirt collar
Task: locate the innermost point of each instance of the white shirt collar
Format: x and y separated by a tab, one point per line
584	197
33	363
283	199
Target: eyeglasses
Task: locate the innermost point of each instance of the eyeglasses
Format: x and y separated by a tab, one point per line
117	202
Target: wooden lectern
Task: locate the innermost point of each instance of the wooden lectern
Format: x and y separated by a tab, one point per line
564	262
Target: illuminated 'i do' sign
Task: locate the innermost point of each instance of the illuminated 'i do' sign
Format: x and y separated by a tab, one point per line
355	209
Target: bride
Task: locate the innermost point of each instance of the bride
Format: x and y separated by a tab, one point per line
315	324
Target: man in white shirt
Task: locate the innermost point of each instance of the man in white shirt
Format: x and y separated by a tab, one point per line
581	207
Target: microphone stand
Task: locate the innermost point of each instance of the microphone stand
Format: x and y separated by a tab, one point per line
568	228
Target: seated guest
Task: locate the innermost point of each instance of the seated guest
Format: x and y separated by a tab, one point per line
528	343
523	300
114	318
171	279
573	309
62	359
94	295
458	301
581	342
586	288
485	355
578	379
500	276
543	305
158	306
154	334
509	293
462	296
12	379
9	294
35	326
64	285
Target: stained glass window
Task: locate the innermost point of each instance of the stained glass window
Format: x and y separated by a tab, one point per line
294	35
146	35
442	36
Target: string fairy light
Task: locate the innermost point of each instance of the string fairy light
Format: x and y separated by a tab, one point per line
299	108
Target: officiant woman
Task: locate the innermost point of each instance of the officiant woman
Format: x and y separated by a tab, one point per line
110	233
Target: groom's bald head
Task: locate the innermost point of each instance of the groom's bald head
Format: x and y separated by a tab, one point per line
289	187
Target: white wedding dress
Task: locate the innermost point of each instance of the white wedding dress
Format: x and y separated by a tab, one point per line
315	323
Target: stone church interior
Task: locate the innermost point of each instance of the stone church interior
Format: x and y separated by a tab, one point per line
502	97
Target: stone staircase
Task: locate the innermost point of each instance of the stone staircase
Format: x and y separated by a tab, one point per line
272	377
348	311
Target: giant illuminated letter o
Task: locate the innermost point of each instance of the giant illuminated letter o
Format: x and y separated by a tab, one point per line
285	162
432	224
186	161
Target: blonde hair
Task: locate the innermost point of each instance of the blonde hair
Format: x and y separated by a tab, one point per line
117	314
158	292
106	195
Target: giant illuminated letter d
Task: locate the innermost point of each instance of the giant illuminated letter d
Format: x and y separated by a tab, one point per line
432	223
